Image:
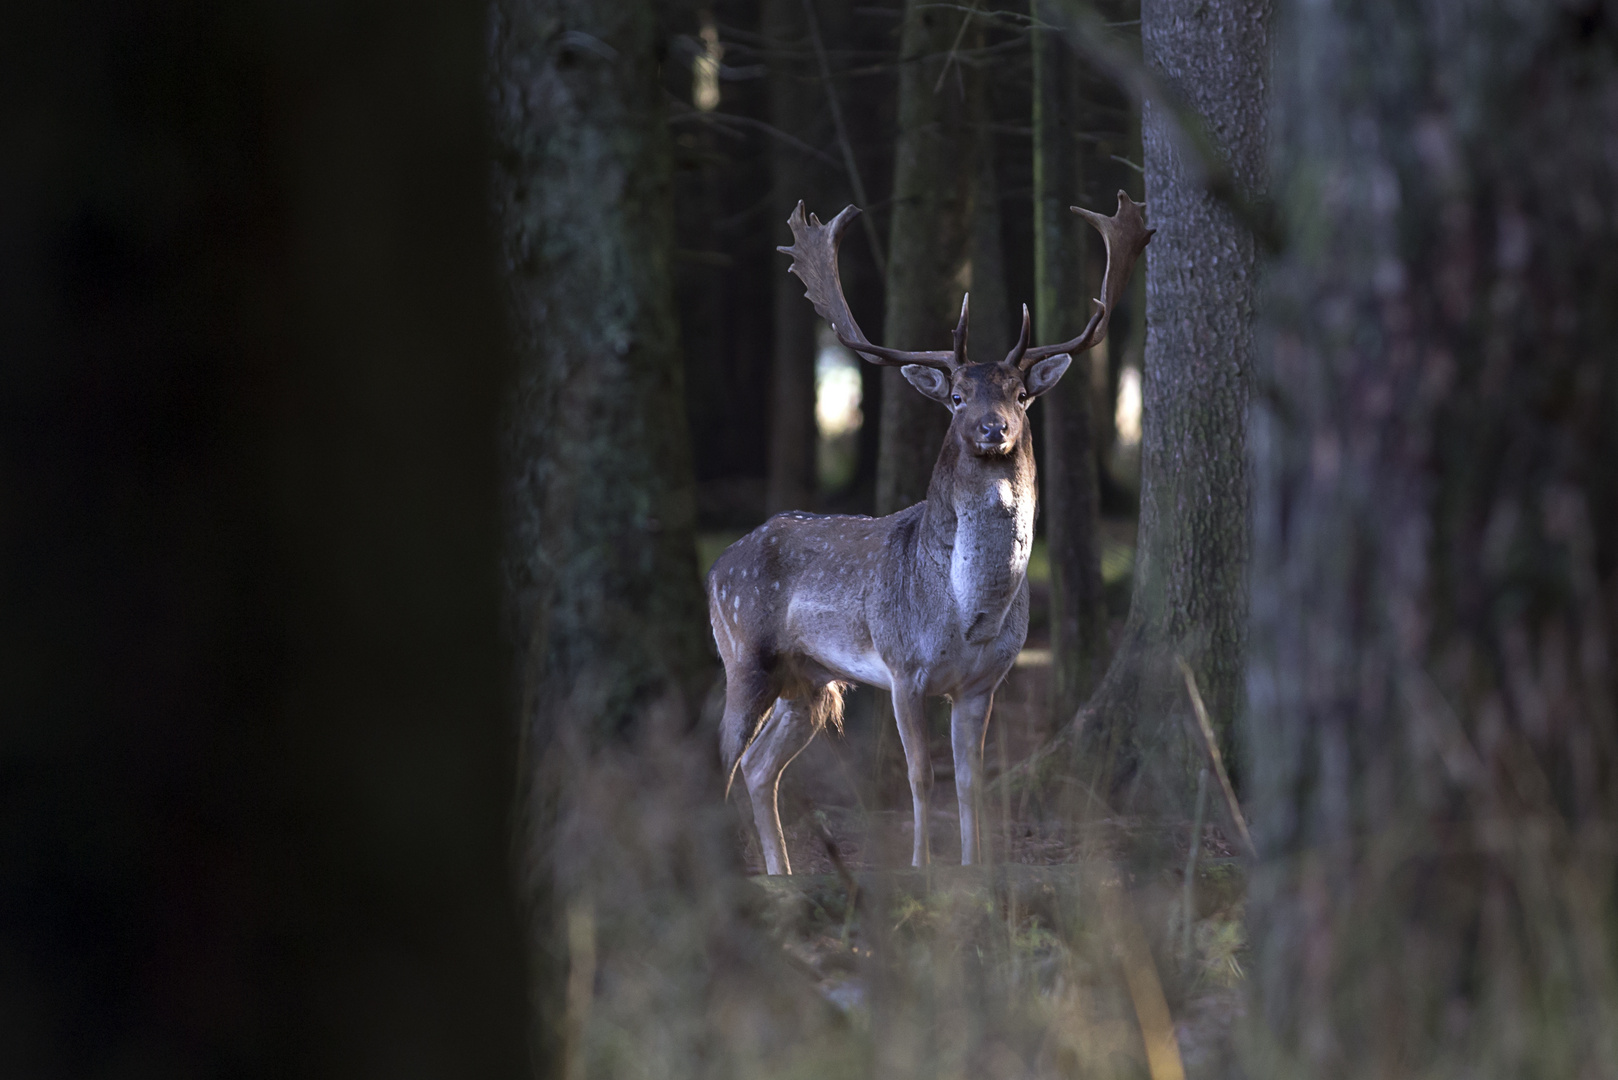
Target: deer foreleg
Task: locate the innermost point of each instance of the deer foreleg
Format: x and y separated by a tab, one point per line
787	730
910	710
968	722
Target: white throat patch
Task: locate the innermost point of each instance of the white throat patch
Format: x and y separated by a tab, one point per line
993	538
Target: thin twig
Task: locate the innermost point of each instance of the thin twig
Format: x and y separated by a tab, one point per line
1012	45
581	974
949	57
1163	1061
1018	18
719	119
1190	895
1214	757
1091	37
835	854
854	180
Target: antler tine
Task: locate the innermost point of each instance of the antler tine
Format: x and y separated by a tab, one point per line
1126	236
814	260
959	359
1014	357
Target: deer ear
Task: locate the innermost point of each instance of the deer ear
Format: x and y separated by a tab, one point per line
930	381
1043	375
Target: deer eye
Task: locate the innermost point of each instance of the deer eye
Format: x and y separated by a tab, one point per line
955	398
1022	397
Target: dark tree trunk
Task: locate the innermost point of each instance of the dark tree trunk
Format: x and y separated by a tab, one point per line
256	754
1061	308
601	570
1189	587
930	243
1434	671
627	855
991	304
795	99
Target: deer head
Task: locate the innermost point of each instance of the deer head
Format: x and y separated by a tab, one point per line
989	401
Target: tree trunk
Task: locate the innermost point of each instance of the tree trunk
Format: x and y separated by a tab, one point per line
794	98
626	848
991	305
1433	738
1061	308
1189	596
931	240
256	753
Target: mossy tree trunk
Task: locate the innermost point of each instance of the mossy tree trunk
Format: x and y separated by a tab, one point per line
934	182
1433	741
626	854
1061	308
1189	598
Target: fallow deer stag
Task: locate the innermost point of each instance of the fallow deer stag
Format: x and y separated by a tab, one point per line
930	601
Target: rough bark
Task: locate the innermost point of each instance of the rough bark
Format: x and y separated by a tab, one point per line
795	94
626	860
1432	734
930	241
257	760
1061	308
1189	594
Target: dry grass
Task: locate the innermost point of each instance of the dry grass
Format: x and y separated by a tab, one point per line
1063	957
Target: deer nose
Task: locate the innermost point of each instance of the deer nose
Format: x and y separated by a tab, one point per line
993	429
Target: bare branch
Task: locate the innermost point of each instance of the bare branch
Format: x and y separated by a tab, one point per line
719	119
854	182
1091	37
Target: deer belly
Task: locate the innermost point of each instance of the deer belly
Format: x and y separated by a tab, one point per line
862	666
825	634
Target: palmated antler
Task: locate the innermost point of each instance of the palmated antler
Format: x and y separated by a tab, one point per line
1126	236
814	260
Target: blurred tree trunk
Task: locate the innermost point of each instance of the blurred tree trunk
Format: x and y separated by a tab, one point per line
991	306
1061	308
1189	583
795	98
256	753
1434	670
627	859
935	174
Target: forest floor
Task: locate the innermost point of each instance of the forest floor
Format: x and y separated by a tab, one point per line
1044	922
1043	962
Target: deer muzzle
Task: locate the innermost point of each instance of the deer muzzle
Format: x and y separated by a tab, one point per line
992	438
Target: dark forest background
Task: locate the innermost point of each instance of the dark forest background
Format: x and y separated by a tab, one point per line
376	381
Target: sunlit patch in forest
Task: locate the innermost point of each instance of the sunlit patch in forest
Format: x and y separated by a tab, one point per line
1123	457
838	416
1128	414
705	68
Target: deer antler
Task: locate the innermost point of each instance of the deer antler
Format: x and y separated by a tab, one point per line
814	260
1126	236
1014	357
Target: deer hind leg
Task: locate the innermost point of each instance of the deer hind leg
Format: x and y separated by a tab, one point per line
791	726
910	710
968	721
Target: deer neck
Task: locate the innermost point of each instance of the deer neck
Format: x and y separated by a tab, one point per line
980	521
